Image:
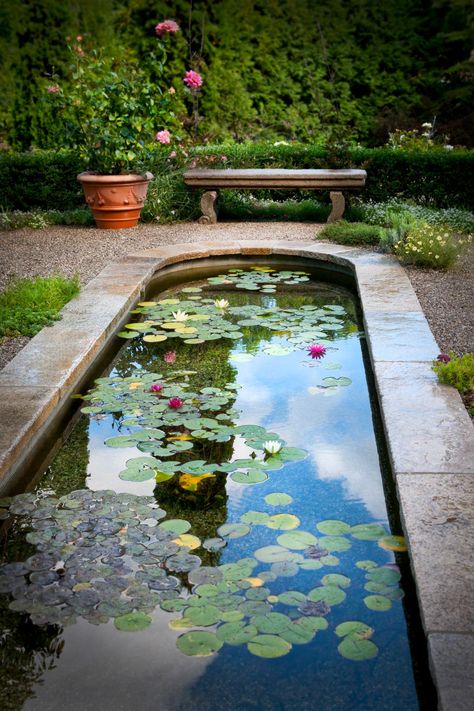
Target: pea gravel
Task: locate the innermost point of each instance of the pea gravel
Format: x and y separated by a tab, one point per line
447	298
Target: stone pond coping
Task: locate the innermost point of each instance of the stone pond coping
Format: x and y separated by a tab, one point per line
429	434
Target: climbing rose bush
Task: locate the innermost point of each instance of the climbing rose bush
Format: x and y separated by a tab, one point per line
192	79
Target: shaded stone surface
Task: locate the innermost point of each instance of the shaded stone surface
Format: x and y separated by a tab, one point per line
427	426
438	516
452	663
383	288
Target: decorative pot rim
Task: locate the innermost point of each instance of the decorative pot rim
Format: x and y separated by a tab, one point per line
91	177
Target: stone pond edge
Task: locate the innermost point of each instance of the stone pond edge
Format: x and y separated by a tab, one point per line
429	434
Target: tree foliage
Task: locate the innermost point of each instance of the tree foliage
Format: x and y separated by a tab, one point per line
273	69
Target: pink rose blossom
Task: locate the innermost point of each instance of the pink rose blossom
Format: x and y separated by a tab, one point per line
163	136
224	158
53	89
172	154
156	387
316	350
192	79
170	357
79	38
167	27
175	402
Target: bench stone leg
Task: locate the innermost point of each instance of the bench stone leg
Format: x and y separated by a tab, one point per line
208	200
338	205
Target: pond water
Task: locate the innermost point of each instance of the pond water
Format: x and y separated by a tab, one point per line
214	533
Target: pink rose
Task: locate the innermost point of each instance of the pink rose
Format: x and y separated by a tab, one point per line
172	154
163	136
79	38
192	79
167	27
53	89
224	158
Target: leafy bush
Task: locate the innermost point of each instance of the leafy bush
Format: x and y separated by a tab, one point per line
435	246
458	372
38	219
344	232
47	179
387	213
29	304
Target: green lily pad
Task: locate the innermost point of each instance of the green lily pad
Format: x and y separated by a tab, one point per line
255	517
354	627
330	382
366	564
132	622
241	357
297	634
333	527
283	522
278	499
235	633
268	646
335	543
297	540
273	554
387	576
342	581
198	643
293	598
272	623
233	530
252	476
368	531
285	569
357	650
203	616
292	454
175	525
330	594
378	602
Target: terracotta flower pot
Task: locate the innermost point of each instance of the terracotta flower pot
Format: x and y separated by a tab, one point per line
115	200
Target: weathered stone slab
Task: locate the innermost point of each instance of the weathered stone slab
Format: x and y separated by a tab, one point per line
452	664
438	516
399	336
385	287
426	424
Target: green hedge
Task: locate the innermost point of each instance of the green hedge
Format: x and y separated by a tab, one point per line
47	180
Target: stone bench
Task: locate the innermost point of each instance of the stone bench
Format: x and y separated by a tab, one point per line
259	178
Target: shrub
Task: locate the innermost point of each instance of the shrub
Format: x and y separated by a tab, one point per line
344	232
458	372
38	219
385	213
435	246
29	304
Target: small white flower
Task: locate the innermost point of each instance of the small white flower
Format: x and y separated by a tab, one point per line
448	147
272	446
180	315
221	303
426	125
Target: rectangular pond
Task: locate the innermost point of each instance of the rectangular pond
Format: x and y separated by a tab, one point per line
214	534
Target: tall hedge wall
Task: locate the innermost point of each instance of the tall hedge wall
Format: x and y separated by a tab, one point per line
47	179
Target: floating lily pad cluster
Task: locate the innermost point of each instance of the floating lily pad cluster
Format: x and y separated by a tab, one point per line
145	402
103	555
196	319
263	279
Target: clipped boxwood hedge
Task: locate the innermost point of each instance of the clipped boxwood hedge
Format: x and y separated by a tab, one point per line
47	179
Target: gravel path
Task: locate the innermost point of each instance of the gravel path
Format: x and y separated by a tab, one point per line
447	298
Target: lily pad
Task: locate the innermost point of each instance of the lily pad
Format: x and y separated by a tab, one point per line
198	643
268	646
387	576
368	531
235	633
175	525
357	650
278	499
233	530
333	527
378	602
362	630
330	594
293	598
393	543
255	517
283	522
297	540
132	622
335	543
203	616
273	554
342	581
252	476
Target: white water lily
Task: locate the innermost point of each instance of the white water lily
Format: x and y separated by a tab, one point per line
221	303
272	446
180	315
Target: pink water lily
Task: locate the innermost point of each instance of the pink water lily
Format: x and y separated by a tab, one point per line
316	350
175	402
170	357
156	388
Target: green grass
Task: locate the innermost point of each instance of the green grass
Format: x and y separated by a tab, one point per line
344	232
29	304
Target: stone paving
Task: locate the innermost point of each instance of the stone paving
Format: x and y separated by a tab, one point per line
429	433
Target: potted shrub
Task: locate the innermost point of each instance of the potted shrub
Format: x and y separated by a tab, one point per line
114	116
